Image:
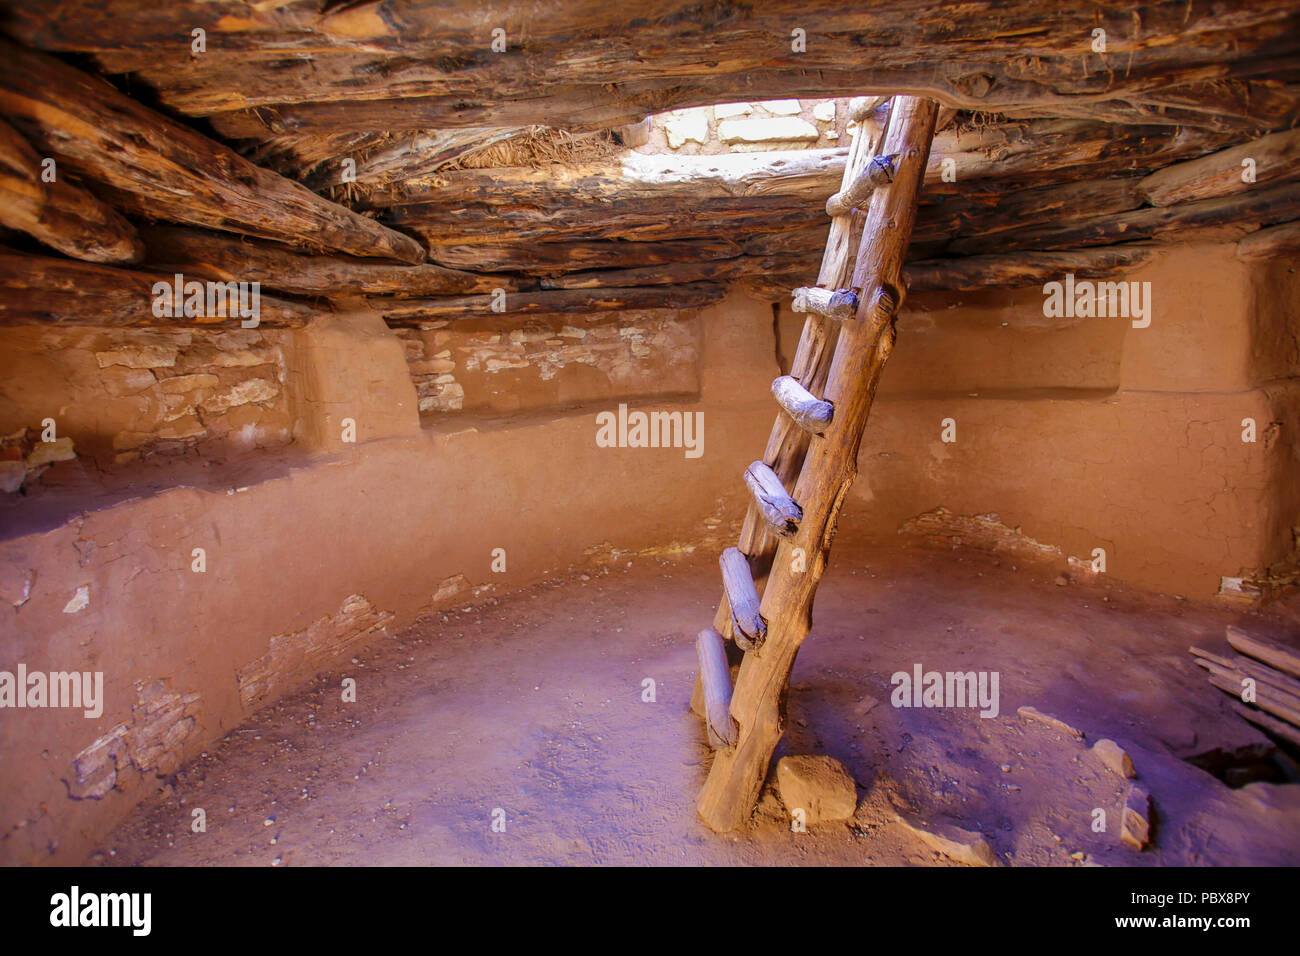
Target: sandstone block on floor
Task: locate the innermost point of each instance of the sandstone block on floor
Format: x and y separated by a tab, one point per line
818	785
1137	819
954	842
1115	757
1034	714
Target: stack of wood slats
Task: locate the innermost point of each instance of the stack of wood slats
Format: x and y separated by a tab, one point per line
1264	677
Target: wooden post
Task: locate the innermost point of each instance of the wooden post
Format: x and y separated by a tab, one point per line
758	703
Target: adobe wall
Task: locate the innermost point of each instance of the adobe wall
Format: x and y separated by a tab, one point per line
1090	433
318	548
1085	434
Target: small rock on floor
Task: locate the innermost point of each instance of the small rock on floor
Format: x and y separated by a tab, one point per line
1033	713
818	785
1137	819
1115	757
959	845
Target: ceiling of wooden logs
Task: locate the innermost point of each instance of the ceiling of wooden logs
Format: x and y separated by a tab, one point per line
230	162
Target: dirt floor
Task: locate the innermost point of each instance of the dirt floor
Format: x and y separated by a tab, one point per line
532	704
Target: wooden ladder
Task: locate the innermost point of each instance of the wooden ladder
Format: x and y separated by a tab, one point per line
811	459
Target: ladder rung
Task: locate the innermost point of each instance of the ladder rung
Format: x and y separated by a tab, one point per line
810	414
841	304
879	172
870	104
742	598
775	503
715	676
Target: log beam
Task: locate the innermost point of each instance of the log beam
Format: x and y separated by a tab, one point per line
555	258
1233	215
36	290
214	256
404	312
403	66
157	168
1235	170
1272	243
1285	659
58	213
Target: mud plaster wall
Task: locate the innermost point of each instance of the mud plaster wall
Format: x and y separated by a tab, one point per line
126	394
321	547
1089	433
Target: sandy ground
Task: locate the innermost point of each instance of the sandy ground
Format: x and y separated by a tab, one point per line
533	704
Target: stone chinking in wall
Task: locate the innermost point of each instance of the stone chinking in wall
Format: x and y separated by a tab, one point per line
152	742
748	127
552	362
299	654
120	395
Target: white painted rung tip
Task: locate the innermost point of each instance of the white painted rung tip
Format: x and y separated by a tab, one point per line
774	503
805	410
839	304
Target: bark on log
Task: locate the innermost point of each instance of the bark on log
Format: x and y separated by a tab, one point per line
864	345
1272	243
1228	215
750	630
1274	726
553	258
1265	699
716	270
715	674
35	290
60	214
809	413
157	168
401	312
1020	270
173	249
1272	157
1284	658
428	66
804	175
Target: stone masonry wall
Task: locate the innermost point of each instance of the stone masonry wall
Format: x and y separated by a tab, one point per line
551	361
749	127
120	395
